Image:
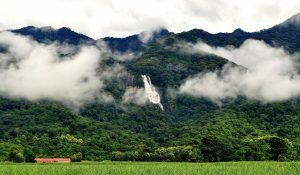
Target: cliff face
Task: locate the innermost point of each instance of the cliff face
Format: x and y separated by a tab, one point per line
151	92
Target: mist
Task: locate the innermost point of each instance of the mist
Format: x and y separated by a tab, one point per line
266	74
135	95
36	71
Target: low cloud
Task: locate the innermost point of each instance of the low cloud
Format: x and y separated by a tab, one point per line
148	35
135	95
35	71
271	74
127	56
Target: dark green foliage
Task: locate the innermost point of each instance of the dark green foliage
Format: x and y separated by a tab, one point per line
76	157
212	149
16	157
190	129
29	155
278	146
163	154
8	150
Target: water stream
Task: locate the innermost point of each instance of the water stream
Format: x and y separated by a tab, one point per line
151	92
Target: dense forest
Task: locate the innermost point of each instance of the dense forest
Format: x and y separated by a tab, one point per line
189	129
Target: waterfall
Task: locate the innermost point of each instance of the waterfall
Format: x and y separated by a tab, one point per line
151	93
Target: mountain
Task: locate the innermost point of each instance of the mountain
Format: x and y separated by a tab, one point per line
133	42
292	21
285	34
65	35
48	34
189	128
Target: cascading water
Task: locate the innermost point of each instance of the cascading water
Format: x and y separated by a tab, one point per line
151	93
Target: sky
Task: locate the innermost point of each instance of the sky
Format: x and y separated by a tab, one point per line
120	18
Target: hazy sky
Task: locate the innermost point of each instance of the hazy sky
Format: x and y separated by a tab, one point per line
99	18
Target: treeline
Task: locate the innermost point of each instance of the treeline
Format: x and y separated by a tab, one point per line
168	154
212	149
15	153
19	154
242	131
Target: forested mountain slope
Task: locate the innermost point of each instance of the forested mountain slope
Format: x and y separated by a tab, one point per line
189	128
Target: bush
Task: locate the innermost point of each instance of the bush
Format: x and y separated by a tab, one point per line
279	147
29	155
16	157
76	157
163	154
212	149
20	158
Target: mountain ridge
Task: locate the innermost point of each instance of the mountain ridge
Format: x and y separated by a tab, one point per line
134	42
48	34
189	129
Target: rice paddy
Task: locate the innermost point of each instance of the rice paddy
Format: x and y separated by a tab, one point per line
152	168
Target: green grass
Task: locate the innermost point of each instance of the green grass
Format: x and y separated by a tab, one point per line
140	168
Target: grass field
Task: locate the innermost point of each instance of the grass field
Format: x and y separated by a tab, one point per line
140	168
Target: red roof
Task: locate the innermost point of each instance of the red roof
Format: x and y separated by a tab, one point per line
52	159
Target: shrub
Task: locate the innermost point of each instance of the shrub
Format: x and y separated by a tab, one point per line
76	157
16	157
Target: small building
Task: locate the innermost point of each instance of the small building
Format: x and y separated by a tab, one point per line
52	160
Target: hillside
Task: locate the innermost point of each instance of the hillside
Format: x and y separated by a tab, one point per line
189	129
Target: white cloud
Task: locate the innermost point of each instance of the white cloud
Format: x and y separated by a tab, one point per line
148	35
135	95
36	71
99	18
271	75
126	56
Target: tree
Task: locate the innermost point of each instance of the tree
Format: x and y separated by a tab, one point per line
279	147
211	148
29	155
16	157
76	157
19	158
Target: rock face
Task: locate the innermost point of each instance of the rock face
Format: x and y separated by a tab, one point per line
151	93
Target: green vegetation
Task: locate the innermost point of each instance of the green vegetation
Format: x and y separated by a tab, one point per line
235	132
127	168
190	129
